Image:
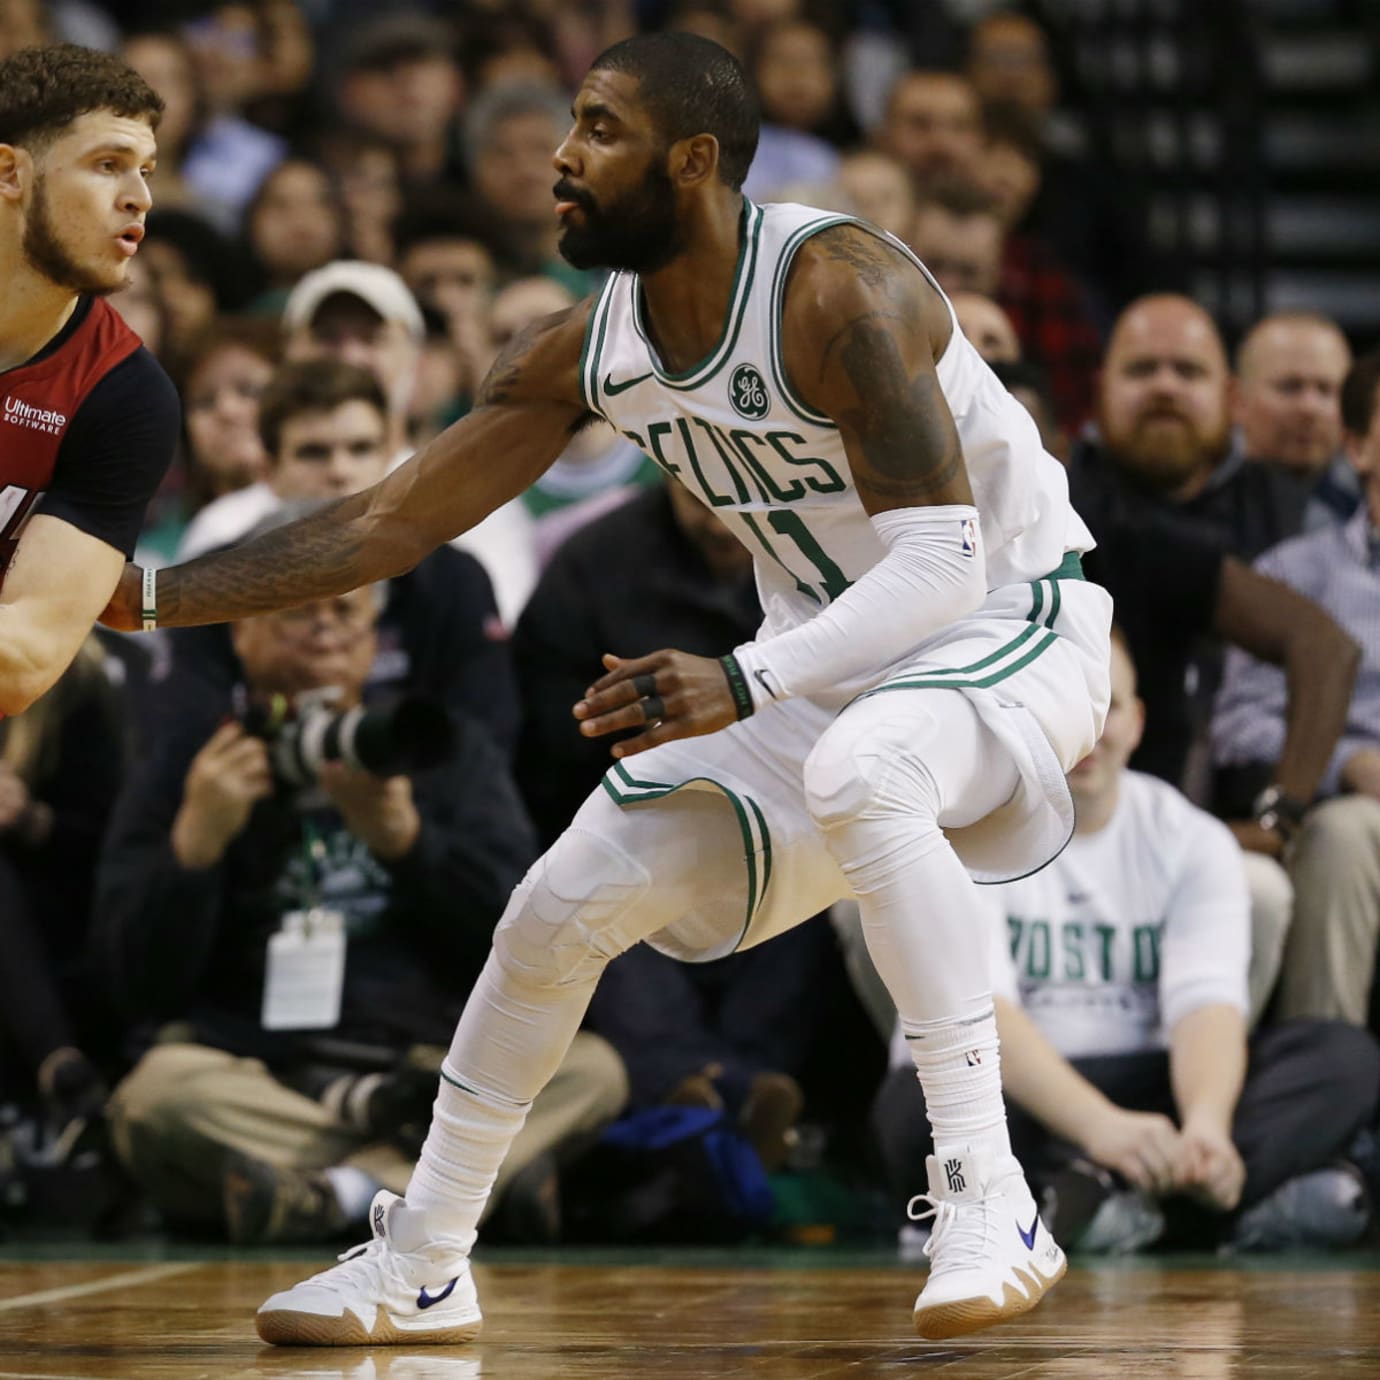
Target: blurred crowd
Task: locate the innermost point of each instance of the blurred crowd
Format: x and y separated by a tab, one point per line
231	966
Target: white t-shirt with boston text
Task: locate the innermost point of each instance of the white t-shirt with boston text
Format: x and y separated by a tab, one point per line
1129	929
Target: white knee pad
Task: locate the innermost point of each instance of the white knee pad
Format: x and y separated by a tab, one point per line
576	908
866	764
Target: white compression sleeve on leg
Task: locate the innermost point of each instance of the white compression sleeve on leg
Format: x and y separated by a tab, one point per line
932	574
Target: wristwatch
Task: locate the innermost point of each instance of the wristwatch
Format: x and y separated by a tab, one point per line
1278	813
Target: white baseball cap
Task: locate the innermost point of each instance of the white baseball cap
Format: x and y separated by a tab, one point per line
376	286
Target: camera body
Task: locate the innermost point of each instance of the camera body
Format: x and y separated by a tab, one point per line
306	731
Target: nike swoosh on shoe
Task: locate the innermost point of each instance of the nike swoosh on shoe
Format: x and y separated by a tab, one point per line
425	1300
1029	1236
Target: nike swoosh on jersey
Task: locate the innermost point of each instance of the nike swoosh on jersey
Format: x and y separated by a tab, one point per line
1027	1236
613	389
425	1300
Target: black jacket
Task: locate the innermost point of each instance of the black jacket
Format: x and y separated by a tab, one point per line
191	945
630	582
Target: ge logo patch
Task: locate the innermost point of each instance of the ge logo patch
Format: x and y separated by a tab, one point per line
748	393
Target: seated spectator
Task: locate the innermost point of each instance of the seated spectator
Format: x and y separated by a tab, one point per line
1133	1094
796	71
323	425
932	125
191	265
1164	420
879	188
294	224
1083	208
213	158
1289	372
446	248
398	80
61	763
1173	517
220	378
511	133
987	326
663	570
305	932
958	235
1330	960
364	314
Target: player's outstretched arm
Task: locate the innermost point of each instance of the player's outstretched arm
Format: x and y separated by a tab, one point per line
526	411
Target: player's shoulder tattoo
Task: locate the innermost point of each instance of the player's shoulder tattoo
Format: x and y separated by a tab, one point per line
530	364
866	253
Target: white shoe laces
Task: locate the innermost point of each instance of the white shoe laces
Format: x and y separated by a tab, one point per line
360	1266
961	1232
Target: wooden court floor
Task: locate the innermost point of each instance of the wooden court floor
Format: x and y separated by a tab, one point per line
558	1318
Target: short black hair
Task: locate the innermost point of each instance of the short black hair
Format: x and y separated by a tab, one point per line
444	213
42	90
1359	391
313	386
693	86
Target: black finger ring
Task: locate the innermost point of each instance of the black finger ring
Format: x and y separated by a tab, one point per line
653	709
645	685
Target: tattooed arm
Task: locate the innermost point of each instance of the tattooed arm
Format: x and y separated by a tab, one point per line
862	330
525	412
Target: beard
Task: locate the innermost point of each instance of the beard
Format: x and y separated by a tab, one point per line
47	254
1162	458
640	232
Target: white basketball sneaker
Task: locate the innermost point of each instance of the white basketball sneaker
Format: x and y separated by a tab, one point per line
395	1289
991	1256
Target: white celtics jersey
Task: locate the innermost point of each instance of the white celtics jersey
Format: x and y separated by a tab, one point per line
735	433
1129	928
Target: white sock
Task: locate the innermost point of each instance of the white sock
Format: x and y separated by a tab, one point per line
517	1036
959	1069
354	1190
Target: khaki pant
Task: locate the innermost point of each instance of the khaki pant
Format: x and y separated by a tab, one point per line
1272	908
174	1117
1329	960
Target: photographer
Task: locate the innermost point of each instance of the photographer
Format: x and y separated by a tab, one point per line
308	925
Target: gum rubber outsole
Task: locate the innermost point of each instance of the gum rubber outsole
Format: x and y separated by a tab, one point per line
962	1316
284	1327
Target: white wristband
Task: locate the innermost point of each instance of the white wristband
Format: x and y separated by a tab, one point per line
150	599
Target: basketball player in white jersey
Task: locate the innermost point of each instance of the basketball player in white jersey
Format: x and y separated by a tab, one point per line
930	665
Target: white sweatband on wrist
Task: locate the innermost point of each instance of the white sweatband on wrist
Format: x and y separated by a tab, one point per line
150	599
933	574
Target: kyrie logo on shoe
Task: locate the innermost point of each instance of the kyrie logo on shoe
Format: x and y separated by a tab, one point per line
425	1300
953	1172
380	1212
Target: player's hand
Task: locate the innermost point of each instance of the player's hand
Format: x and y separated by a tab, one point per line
377	810
1212	1167
668	695
125	611
227	778
1145	1148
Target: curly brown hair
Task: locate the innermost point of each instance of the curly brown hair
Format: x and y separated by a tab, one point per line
42	90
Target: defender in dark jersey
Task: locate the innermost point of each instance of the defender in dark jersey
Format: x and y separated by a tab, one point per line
88	418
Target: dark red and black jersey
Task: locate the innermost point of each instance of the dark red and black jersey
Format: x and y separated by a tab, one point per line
87	429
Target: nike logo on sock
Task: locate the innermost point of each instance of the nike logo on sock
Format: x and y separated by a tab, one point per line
425	1300
1029	1236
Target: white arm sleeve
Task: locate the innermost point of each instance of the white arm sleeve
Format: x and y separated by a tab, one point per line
1207	928
932	574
